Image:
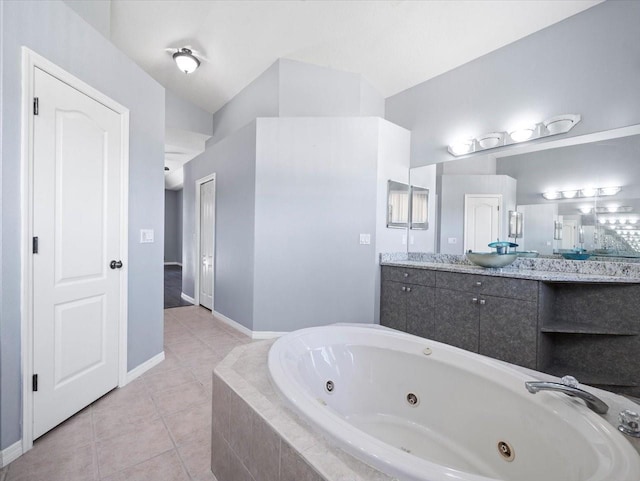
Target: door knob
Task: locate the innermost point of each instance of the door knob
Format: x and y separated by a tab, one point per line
115	264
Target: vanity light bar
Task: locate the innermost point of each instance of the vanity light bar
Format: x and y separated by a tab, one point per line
583	193
560	124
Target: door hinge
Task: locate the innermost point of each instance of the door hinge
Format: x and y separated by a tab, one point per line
35	105
34	382
35	245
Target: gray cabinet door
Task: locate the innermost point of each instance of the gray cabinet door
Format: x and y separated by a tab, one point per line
456	319
420	311
393	305
508	330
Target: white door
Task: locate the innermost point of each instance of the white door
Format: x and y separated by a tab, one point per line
207	229
77	156
481	221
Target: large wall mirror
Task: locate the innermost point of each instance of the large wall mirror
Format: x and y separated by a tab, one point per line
575	193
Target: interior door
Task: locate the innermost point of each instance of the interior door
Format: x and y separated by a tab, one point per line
481	221
77	184
207	227
569	236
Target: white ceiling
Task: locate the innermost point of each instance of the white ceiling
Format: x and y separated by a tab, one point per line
394	44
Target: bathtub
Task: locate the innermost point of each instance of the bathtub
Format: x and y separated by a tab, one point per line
420	410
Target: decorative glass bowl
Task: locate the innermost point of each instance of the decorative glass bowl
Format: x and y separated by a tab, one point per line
491	259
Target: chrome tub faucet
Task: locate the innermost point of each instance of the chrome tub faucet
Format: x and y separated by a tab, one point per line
569	386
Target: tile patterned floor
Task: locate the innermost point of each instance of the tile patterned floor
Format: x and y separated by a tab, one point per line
156	428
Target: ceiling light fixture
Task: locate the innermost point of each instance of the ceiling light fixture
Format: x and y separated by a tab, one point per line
186	61
556	125
586	192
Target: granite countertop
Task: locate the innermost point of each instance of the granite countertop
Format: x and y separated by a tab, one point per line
537	269
513	272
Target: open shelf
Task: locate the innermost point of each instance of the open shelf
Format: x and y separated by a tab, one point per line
571	328
590	378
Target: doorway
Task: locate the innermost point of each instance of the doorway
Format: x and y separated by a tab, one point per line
481	221
75	216
205	227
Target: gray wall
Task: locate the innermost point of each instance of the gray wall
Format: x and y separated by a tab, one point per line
258	99
233	161
183	115
316	184
96	13
173	226
586	64
296	89
314	91
53	30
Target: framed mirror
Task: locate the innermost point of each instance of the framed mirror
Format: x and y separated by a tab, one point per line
592	184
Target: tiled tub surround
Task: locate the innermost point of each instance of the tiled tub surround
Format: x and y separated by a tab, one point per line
255	437
541	269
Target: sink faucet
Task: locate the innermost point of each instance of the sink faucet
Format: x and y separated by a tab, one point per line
569	386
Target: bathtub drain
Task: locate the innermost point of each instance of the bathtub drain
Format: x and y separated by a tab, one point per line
329	386
506	451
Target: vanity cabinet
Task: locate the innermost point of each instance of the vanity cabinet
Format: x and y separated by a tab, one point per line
407	300
586	329
501	326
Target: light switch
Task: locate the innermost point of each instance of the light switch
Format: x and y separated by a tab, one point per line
365	239
146	236
452	240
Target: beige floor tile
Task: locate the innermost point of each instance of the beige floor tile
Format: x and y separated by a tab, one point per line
124	418
168	379
171	361
77	464
121	396
184	349
129	449
185	425
196	455
165	467
180	398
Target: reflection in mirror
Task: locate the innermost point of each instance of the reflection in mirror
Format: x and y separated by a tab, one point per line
515	224
419	208
397	205
591	186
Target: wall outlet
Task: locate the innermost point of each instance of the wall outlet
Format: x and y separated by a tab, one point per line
452	240
365	239
146	236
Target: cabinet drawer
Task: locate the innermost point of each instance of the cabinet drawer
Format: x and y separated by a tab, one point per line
489	285
408	275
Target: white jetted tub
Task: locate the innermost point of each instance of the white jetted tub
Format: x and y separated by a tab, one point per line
420	410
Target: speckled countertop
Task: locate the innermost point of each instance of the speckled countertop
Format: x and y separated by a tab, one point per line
540	269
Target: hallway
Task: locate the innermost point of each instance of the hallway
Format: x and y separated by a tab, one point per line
157	428
173	287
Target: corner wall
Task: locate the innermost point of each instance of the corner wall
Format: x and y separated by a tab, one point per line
233	161
56	32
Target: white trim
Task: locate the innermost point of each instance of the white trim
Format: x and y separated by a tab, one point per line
246	331
10	454
138	371
173	264
187	298
31	60
198	184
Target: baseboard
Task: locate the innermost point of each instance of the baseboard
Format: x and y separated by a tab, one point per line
138	371
246	331
11	453
187	298
173	264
